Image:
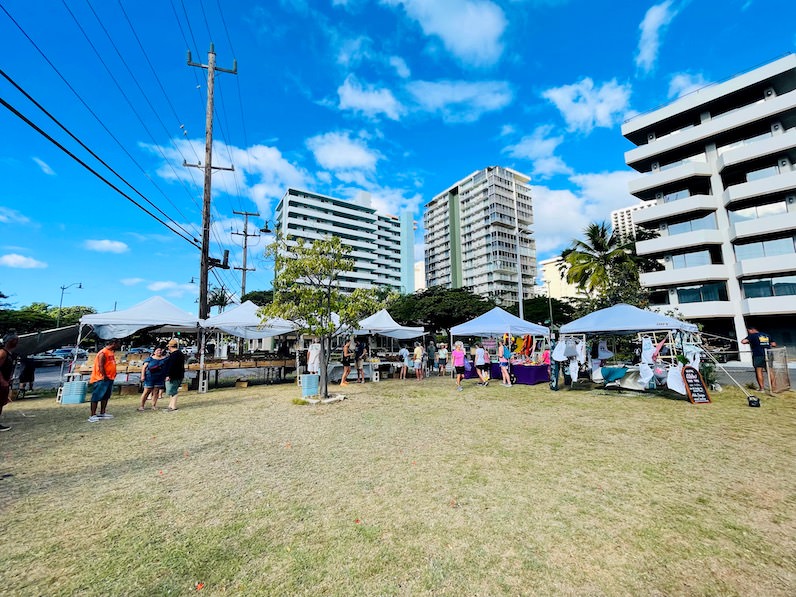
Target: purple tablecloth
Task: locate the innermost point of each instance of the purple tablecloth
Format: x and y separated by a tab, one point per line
526	374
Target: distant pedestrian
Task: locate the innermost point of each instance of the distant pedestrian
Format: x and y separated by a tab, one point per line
348	357
418	361
442	358
457	360
7	363
431	351
153	377
28	374
360	352
403	354
481	365
103	375
758	342
175	372
504	358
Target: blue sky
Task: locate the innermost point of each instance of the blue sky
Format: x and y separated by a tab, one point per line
400	98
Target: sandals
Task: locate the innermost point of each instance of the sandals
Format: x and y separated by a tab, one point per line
140	409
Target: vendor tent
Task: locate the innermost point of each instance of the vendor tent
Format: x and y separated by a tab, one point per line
156	313
625	319
383	324
243	321
497	322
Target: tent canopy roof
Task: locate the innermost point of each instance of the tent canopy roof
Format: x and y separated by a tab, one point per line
244	321
623	318
497	322
153	312
383	324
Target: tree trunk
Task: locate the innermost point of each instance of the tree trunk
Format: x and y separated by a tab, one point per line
324	369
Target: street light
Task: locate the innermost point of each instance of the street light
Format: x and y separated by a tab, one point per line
549	304
61	302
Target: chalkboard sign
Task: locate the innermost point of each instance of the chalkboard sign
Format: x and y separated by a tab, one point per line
695	386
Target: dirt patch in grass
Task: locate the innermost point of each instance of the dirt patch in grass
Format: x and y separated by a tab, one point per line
405	488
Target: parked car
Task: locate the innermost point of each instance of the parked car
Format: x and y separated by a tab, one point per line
141	350
47	359
70	353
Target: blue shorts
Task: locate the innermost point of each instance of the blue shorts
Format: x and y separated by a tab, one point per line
172	386
502	364
102	390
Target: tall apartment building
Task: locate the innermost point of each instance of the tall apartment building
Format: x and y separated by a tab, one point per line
718	166
554	284
477	235
622	220
375	239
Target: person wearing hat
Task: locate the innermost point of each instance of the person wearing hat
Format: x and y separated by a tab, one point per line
176	372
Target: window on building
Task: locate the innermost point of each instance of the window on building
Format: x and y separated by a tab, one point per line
765	248
707	222
774	286
676	195
693	259
762	173
711	291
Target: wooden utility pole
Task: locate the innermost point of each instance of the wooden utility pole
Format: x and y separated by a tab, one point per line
211	67
245	234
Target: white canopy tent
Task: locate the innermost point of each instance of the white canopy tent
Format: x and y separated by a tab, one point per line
154	312
383	324
243	321
625	319
498	322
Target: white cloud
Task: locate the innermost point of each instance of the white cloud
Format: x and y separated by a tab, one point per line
400	66
21	262
585	106
44	167
461	101
12	216
471	30
173	289
339	152
368	100
684	83
106	246
560	216
652	26
353	51
131	281
539	148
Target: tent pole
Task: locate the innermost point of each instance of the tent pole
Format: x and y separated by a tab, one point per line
202	388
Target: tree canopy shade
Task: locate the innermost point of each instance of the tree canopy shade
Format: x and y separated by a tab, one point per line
258	297
537	309
307	291
37	317
438	308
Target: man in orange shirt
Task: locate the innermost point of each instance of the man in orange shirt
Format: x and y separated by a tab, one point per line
102	376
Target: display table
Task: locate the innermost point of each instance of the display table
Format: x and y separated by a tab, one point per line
526	374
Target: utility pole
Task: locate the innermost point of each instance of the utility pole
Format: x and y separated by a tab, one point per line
208	171
245	234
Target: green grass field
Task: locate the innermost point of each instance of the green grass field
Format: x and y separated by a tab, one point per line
404	488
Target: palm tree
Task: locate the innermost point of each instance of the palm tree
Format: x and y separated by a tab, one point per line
591	261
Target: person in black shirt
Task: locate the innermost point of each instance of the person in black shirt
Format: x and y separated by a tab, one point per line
758	342
176	372
359	356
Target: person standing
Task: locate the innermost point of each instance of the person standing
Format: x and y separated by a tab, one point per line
360	353
504	357
348	354
175	372
481	365
28	374
403	354
418	356
153	377
758	342
103	375
431	350
10	341
442	358
457	360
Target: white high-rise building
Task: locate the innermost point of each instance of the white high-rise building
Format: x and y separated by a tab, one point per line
718	167
375	239
622	220
477	235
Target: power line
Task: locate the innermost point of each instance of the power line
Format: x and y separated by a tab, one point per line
84	146
31	124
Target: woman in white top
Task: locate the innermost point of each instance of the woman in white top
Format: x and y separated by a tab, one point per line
481	366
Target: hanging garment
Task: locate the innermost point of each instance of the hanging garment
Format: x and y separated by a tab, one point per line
645	373
647	350
658	349
660	371
581	347
674	379
558	352
573	369
602	351
570	349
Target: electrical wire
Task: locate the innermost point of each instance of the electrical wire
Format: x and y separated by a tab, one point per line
84	146
31	124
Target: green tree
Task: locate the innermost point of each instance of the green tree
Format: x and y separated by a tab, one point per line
439	308
537	310
261	298
307	292
219	297
592	260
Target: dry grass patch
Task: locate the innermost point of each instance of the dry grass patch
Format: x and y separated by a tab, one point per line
403	489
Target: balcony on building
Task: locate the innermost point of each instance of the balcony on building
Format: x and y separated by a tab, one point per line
775	183
677	236
670	178
765	219
673	204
